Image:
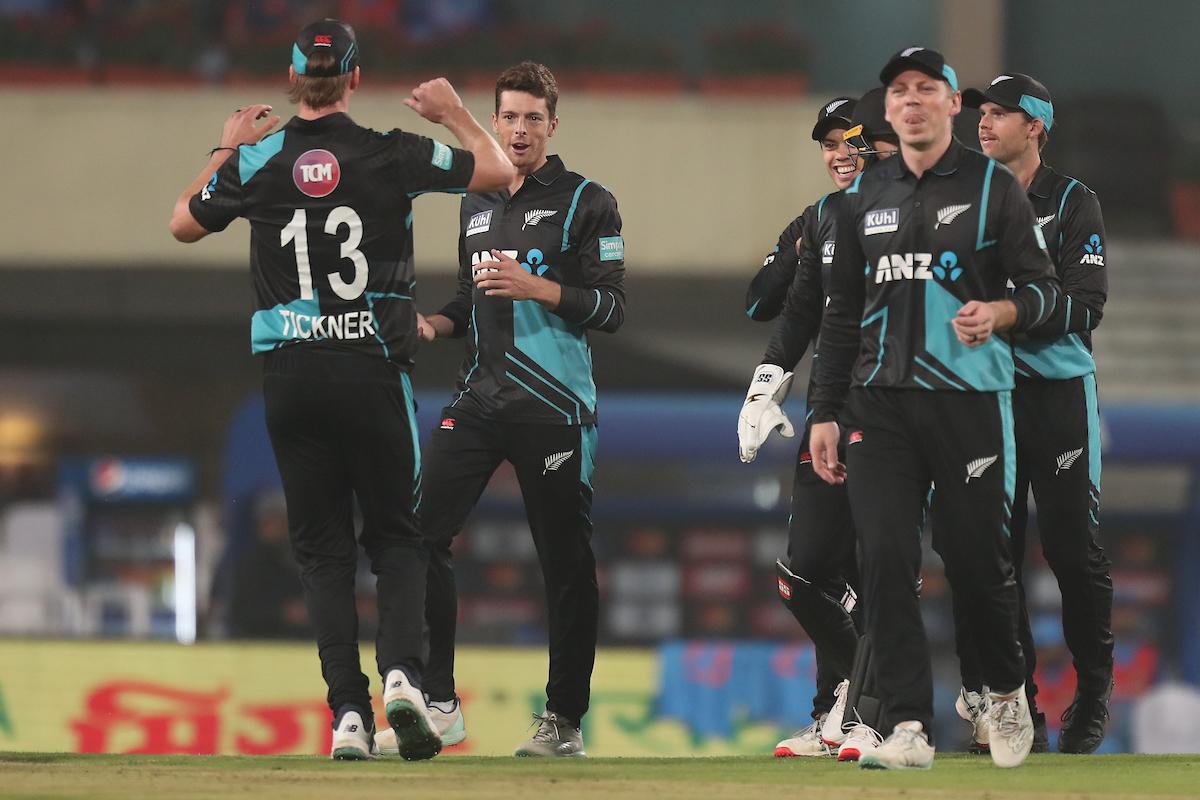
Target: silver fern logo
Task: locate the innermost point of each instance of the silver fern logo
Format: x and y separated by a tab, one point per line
1044	221
556	460
829	109
976	468
1068	459
534	216
949	214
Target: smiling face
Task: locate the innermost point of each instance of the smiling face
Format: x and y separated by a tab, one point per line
1006	134
920	108
836	155
524	126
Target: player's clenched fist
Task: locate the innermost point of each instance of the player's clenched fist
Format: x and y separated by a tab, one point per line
434	99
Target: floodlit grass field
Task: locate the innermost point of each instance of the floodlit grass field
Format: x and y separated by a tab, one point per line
297	777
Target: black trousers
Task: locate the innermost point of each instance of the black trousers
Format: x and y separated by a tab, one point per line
553	465
963	442
343	427
1058	456
821	551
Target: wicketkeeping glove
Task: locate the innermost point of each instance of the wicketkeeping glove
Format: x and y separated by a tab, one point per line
761	413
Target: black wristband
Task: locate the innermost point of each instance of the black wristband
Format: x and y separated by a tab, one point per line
215	149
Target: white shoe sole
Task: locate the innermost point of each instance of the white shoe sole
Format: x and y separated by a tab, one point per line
870	762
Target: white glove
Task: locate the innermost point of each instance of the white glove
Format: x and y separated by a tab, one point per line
761	413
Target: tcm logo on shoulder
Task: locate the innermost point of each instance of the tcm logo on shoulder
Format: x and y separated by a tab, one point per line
479	223
612	248
881	220
317	173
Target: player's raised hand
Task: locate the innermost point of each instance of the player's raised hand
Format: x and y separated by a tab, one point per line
241	127
434	100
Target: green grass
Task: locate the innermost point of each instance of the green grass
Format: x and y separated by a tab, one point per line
743	778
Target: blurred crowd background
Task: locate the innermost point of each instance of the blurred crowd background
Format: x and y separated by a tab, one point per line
138	495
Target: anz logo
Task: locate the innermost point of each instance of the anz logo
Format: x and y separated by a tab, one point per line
917	266
532	263
1093	252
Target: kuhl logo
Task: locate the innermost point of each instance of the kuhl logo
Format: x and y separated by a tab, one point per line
976	468
556	460
881	220
1093	251
827	249
479	223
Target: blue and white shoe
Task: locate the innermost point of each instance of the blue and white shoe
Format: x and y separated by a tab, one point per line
416	735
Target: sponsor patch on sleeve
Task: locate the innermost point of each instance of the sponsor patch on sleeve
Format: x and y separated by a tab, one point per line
443	156
612	248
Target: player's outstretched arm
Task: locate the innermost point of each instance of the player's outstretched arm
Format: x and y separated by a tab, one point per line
240	128
437	101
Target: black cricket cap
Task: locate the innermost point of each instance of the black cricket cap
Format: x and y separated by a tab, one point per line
328	34
834	114
1017	92
931	62
870	119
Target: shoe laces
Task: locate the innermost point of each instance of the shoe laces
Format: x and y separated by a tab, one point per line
906	737
1004	717
547	728
863	730
812	730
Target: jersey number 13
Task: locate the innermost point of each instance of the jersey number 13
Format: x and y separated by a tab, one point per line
297	231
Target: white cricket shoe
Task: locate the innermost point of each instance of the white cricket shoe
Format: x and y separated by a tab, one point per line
417	737
1009	727
451	726
806	742
969	706
832	728
352	740
906	748
861	739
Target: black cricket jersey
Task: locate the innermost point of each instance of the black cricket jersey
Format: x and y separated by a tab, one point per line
525	363
806	295
908	254
769	288
1069	215
330	211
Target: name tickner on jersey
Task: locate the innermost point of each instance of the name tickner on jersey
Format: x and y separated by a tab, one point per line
351	325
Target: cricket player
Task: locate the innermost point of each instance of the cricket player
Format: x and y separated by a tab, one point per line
329	205
541	263
1055	411
926	243
815	584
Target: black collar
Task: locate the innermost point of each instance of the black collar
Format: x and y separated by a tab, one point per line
1043	181
946	165
549	172
337	118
